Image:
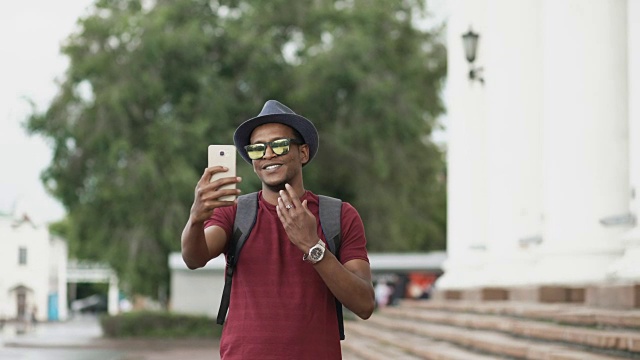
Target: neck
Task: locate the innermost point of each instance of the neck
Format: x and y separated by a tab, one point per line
272	193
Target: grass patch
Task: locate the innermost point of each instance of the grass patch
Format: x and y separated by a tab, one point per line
159	324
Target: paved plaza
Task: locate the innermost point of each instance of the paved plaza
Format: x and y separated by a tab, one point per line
81	339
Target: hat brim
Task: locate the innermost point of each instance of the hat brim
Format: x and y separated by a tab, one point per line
242	136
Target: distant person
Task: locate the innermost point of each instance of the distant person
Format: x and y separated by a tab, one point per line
383	291
426	292
34	314
33	317
285	284
399	290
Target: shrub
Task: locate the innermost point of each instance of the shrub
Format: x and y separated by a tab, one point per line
158	324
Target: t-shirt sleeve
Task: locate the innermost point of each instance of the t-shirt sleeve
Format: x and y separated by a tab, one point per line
353	243
224	218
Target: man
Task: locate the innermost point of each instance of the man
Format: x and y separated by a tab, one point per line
282	297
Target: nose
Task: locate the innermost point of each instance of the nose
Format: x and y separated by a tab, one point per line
268	153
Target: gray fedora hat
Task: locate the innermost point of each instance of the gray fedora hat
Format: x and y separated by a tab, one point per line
275	112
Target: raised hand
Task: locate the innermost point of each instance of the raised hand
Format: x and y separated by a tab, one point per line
207	193
298	221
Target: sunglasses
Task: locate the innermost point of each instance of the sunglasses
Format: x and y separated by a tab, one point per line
279	147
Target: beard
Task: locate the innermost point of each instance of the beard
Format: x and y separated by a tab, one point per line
275	187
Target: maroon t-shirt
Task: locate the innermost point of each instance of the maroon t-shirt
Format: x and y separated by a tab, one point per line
280	307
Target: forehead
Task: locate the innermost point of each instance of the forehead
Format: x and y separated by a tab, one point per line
270	131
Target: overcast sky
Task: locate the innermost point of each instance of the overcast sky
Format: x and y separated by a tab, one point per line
30	35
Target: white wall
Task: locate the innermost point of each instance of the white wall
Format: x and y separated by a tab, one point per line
34	274
627	269
196	292
513	90
585	132
466	154
544	149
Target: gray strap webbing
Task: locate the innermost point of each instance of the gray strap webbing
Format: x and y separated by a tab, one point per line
245	219
330	216
330	223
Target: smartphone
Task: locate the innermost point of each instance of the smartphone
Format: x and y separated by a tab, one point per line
223	155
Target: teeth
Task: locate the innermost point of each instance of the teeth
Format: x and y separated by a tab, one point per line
271	167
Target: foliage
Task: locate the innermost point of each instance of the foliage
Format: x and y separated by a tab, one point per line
155	324
150	86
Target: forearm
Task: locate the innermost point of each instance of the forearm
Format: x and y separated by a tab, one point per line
353	291
195	252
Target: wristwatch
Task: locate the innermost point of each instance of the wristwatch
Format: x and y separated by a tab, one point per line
316	253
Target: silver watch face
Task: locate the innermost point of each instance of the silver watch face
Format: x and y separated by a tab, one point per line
316	253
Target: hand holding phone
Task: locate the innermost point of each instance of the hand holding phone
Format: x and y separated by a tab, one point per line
223	155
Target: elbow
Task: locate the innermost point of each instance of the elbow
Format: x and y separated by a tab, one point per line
367	310
368	304
191	264
193	267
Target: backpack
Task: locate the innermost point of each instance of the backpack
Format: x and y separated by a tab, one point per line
246	214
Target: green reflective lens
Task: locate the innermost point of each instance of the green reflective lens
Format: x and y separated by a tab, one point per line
256	151
278	146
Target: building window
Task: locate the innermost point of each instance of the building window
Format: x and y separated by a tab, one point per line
22	256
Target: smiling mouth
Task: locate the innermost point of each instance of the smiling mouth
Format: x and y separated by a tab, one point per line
271	167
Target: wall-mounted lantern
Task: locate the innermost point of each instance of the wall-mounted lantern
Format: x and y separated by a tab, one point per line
470	42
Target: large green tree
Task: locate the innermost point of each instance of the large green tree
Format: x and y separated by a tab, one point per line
150	86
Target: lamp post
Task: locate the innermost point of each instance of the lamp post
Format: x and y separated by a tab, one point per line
470	42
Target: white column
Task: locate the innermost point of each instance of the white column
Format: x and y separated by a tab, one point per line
585	134
113	306
513	69
467	172
628	268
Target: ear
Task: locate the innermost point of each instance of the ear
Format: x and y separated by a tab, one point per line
304	153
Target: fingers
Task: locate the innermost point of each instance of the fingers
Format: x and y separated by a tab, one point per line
281	210
289	204
284	201
218	181
286	206
295	201
208	193
289	198
296	218
287	213
210	172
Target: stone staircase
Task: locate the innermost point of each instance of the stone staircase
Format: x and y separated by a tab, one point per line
480	330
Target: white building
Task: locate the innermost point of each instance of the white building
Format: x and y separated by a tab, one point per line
544	157
196	292
32	271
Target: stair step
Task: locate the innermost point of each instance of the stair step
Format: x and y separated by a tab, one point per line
618	340
372	350
395	329
350	348
572	314
405	346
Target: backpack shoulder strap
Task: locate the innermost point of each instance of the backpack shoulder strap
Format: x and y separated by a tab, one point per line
330	211
246	214
330	216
